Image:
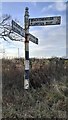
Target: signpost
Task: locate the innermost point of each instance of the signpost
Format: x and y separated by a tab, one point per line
45	21
33	39
29	37
18	29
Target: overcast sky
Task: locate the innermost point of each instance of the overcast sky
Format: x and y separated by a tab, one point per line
52	39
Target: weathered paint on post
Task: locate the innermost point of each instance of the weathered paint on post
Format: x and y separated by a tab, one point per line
26	61
25	33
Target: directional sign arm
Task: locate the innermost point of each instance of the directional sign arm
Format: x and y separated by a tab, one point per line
33	39
18	29
45	21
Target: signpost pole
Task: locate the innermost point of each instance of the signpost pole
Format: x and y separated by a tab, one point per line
25	33
26	61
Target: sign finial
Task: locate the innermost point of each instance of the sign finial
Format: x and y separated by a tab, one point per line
26	8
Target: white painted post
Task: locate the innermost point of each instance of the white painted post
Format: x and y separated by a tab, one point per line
26	61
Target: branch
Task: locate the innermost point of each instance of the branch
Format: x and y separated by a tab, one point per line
4	38
5	19
7	30
14	38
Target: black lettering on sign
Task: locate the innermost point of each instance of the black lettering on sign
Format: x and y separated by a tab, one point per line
41	19
38	24
49	23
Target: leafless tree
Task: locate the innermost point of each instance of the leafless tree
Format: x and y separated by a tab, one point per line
6	29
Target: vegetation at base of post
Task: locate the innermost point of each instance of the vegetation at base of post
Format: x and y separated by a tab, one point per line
48	92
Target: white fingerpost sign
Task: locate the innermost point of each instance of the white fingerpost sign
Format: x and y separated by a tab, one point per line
55	20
